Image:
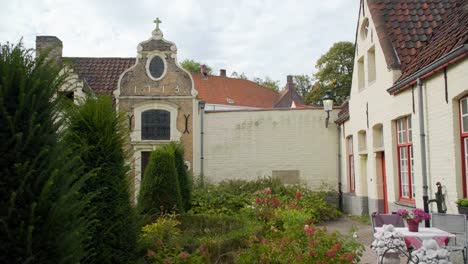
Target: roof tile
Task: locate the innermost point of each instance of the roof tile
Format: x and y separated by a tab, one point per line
409	25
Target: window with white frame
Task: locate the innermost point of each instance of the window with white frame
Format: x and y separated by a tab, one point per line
405	159
155	125
464	141
351	175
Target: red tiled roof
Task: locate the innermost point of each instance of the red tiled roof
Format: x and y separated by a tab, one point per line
405	26
101	74
451	34
217	90
289	95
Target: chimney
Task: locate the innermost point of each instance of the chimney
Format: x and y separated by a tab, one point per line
50	45
203	71
222	73
289	82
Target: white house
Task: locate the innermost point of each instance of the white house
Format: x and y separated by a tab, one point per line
405	127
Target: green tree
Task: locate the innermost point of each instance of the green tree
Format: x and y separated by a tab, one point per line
334	72
185	181
303	84
239	76
194	66
40	203
160	188
268	83
95	133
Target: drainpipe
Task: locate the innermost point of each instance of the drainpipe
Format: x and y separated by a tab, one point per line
422	139
340	193
201	104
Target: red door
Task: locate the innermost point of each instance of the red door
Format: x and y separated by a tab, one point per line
384	184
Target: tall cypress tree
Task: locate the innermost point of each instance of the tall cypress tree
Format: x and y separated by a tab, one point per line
95	133
183	176
40	205
160	190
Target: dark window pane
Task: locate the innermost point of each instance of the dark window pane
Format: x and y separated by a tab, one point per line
155	125
144	161
156	67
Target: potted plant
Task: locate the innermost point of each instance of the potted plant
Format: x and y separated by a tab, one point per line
462	204
414	218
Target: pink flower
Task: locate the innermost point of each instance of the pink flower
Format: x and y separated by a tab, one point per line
309	230
201	248
258	201
268	190
331	253
184	255
298	195
275	202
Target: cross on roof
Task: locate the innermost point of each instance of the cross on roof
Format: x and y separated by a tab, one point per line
157	21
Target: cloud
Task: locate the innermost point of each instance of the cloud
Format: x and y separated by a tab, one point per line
260	38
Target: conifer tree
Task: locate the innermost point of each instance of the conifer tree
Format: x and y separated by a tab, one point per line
185	181
40	204
160	189
95	133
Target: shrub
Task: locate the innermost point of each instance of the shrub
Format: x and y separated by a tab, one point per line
161	241
185	181
214	200
462	202
302	245
40	205
95	133
160	189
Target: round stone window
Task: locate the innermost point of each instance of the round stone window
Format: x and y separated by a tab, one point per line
156	67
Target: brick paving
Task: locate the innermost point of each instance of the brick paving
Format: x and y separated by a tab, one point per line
364	235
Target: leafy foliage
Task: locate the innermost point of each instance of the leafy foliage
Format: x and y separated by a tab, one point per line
162	243
40	204
303	84
259	221
194	66
239	76
268	83
185	180
160	189
334	72
95	133
292	237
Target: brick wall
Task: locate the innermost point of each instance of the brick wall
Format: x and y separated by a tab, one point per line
253	144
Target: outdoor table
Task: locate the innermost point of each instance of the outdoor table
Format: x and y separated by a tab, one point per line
414	240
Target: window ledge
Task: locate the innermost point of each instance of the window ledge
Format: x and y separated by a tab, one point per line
379	149
406	204
145	142
363	152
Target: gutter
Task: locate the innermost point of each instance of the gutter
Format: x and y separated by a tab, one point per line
428	70
422	140
340	193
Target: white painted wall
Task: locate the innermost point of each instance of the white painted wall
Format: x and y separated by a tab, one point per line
251	144
221	107
441	120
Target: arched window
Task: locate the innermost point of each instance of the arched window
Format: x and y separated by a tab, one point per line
155	125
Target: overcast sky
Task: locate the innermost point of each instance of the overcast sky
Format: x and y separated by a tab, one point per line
260	38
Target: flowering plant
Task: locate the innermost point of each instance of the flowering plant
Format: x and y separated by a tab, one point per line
417	215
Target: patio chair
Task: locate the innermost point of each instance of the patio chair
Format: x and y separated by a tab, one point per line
455	224
378	220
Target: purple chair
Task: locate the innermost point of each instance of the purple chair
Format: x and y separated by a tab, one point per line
378	220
